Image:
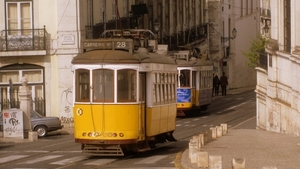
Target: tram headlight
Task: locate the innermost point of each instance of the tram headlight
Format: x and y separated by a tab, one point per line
90	134
121	135
114	135
84	134
79	111
95	134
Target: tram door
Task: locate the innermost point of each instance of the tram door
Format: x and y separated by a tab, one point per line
142	101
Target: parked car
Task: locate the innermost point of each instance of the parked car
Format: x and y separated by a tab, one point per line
42	125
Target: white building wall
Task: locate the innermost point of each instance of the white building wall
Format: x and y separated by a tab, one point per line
68	45
61	20
282	98
246	22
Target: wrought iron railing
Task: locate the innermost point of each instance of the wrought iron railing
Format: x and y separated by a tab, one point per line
23	39
265	12
38	103
94	31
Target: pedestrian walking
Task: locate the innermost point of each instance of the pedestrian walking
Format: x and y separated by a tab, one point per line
224	83
213	85
216	83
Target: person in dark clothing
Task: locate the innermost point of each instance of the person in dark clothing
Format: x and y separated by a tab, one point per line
224	83
213	85
216	83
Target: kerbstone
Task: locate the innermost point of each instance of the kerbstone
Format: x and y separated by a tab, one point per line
215	162
202	159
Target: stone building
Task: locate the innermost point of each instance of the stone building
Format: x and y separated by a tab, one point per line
226	48
278	103
39	39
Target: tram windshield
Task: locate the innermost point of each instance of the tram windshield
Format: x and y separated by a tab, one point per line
103	85
184	78
103	82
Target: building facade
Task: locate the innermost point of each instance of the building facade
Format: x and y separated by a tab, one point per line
226	48
38	40
278	103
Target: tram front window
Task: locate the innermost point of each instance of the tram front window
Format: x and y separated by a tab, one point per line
184	78
82	85
126	91
103	85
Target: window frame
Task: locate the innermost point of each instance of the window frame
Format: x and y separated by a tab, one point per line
19	18
112	85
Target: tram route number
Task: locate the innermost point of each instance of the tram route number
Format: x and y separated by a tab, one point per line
121	45
105	45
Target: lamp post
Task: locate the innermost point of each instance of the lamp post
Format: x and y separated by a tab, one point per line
156	25
225	39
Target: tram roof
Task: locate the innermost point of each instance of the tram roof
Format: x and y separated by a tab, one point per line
120	57
196	62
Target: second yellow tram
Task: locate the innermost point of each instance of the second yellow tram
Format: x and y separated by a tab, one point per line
194	88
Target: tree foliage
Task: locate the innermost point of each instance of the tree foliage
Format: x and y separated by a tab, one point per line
257	46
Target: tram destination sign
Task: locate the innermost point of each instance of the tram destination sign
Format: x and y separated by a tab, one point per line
108	44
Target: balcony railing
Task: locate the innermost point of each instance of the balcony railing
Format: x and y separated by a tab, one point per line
265	12
23	39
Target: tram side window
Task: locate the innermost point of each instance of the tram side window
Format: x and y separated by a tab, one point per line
194	78
164	90
82	85
127	85
205	79
184	78
173	87
103	85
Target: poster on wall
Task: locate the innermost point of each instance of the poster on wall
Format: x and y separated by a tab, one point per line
13	123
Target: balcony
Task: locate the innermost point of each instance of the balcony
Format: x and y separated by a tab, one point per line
26	41
266	13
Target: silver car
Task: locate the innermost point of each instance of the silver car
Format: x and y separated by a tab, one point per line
42	125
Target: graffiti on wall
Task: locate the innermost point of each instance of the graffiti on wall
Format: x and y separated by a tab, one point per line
13	123
66	104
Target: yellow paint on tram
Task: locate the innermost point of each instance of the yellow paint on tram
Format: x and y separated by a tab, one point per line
118	118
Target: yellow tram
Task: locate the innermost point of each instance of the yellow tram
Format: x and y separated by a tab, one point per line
125	94
194	89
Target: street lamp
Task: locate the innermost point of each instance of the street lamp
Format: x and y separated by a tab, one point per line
156	25
225	39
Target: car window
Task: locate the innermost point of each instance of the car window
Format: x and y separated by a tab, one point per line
34	114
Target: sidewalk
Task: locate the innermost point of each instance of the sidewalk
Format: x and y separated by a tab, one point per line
259	148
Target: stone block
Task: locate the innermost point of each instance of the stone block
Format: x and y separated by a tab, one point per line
207	136
201	139
193	148
202	159
214	132
270	167
219	130
198	138
225	128
215	162
32	136
238	163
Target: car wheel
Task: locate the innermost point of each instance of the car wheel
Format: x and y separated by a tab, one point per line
41	131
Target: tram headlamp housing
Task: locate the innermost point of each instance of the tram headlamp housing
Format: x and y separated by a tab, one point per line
79	111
